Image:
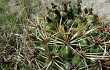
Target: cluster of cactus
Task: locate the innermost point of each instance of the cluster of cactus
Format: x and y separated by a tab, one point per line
62	16
73	38
68	38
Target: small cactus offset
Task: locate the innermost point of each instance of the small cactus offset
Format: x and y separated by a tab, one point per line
73	38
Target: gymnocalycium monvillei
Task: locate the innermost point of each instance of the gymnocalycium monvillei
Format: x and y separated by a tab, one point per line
72	38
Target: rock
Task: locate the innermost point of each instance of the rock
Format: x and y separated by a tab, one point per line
101	7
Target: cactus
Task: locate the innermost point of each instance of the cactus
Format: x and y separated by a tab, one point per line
67	38
75	39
